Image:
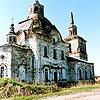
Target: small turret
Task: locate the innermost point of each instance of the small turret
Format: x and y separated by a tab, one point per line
11	36
72	28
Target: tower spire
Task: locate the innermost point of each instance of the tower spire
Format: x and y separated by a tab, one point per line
72	19
72	28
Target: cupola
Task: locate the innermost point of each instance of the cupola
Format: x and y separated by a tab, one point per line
11	36
36	9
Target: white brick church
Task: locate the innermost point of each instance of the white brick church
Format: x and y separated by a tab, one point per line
36	52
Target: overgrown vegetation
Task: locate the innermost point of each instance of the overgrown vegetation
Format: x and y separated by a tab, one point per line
13	90
64	91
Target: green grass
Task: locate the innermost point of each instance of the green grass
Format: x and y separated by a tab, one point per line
5	81
13	90
64	91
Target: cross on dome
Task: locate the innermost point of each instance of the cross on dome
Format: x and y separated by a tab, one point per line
12	20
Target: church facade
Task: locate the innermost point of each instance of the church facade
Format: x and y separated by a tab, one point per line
37	53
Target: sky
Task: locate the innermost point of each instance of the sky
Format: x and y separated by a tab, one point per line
86	17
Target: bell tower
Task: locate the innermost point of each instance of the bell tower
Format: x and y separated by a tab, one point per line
77	45
36	10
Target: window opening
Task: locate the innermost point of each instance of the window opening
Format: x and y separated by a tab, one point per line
45	52
90	75
2	72
80	74
85	74
54	54
35	9
53	40
62	55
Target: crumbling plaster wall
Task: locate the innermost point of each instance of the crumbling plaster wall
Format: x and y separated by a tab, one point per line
74	68
59	46
37	40
22	56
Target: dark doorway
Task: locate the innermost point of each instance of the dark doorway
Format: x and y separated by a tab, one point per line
55	77
46	75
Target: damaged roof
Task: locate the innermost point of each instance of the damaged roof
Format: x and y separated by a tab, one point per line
45	23
72	59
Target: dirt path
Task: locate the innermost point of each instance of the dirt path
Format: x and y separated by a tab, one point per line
90	95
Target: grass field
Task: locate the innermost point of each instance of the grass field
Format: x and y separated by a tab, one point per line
13	90
64	91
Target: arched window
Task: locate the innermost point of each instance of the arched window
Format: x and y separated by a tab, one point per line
45	51
85	74
46	75
53	41
70	32
14	39
90	74
54	54
10	39
80	74
3	71
35	9
62	55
